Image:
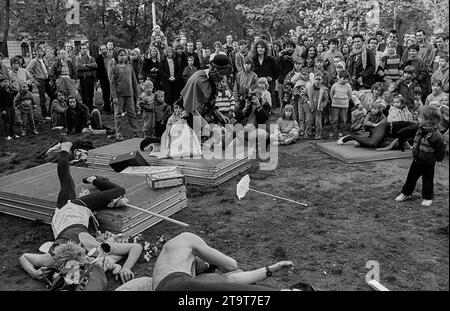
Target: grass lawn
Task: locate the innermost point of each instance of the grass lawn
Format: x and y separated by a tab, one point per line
351	218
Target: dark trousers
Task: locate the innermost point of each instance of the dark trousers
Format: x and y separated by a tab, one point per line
93	201
376	137
87	87
407	133
8	121
415	171
170	88
44	87
106	91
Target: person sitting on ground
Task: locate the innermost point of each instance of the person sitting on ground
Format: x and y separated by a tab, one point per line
71	220
79	120
437	92
174	269
25	103
399	111
287	128
179	140
374	122
58	110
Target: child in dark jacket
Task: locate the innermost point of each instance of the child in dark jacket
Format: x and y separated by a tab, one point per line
428	148
25	102
7	108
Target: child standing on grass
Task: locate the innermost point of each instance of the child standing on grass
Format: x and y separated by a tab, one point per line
298	101
399	111
417	103
428	148
7	108
24	101
287	128
340	93
315	98
147	104
124	87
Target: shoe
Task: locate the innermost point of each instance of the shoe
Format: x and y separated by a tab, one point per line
47	118
305	287
57	128
340	134
318	137
35	132
16	136
8	138
119	202
427	203
341	140
402	197
23	133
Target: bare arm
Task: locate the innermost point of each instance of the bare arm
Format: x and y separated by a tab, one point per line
33	264
133	250
211	255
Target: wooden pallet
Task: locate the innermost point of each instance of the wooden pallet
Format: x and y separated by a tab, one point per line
203	172
32	194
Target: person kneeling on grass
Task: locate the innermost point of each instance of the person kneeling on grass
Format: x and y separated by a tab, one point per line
70	223
174	269
428	148
79	120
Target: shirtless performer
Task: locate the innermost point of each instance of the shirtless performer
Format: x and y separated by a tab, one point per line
174	269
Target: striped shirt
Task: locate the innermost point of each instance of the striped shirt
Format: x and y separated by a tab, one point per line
391	64
225	102
340	95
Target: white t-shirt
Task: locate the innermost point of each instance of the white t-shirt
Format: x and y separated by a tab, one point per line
70	214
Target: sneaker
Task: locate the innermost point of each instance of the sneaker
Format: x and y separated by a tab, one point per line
427	203
47	118
57	128
35	132
16	136
402	197
8	138
341	140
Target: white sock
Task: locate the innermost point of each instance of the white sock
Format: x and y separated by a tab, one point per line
90	179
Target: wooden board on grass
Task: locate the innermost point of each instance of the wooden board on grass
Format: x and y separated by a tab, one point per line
351	154
32	194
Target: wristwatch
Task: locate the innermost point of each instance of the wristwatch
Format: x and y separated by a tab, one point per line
268	272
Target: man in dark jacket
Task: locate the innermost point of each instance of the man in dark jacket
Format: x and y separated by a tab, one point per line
102	75
361	64
421	72
87	71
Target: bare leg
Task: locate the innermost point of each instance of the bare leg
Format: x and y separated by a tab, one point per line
391	146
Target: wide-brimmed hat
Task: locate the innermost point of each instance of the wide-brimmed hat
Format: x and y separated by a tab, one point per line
220	61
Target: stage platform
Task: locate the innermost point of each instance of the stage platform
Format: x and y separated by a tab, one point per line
203	172
32	194
351	154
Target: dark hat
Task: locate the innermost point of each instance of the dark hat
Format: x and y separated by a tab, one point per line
220	61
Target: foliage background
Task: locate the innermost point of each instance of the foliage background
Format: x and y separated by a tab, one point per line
129	22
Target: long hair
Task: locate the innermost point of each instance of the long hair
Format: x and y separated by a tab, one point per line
306	52
255	48
158	55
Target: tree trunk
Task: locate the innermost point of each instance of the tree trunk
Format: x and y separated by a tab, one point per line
4	47
103	13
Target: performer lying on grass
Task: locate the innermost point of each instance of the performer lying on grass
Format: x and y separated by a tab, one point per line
174	269
71	220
